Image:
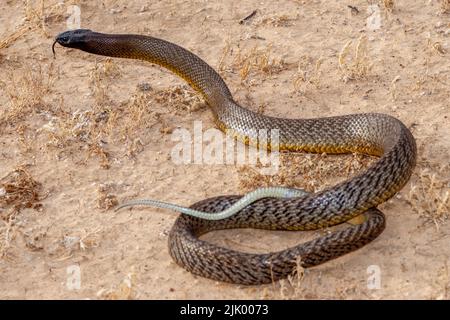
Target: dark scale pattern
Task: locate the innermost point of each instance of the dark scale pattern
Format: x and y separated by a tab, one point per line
375	134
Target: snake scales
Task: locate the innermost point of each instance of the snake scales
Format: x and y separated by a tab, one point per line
369	133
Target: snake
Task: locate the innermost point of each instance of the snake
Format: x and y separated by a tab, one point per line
375	134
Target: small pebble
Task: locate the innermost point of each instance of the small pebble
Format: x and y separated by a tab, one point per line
114	11
144	86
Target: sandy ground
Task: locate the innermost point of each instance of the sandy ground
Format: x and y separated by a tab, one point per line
80	133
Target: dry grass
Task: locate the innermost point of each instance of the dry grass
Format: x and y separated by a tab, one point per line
293	287
18	190
357	65
283	20
8	40
81	240
105	199
259	18
39	13
97	148
429	195
311	172
388	5
36	17
308	73
428	83
393	90
123	291
26	91
179	99
100	78
65	129
252	62
69	133
34	239
436	47
89	130
445	6
128	122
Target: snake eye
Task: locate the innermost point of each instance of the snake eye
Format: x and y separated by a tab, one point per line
63	39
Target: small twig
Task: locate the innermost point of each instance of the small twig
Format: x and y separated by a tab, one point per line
355	10
251	15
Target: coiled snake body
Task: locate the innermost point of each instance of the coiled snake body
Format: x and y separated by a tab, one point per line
370	133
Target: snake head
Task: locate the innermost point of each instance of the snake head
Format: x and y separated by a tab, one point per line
71	38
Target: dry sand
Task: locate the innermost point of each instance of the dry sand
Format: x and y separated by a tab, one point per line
80	133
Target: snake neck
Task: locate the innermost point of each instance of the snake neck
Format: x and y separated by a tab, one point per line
183	63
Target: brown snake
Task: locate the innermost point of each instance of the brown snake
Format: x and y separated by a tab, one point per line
369	133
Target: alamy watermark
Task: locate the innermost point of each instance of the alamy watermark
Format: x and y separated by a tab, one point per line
374	279
73	280
213	147
74	19
373	21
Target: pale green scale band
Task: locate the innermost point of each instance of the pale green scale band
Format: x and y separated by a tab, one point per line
270	192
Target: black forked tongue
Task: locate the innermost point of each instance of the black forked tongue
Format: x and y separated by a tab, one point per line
70	39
